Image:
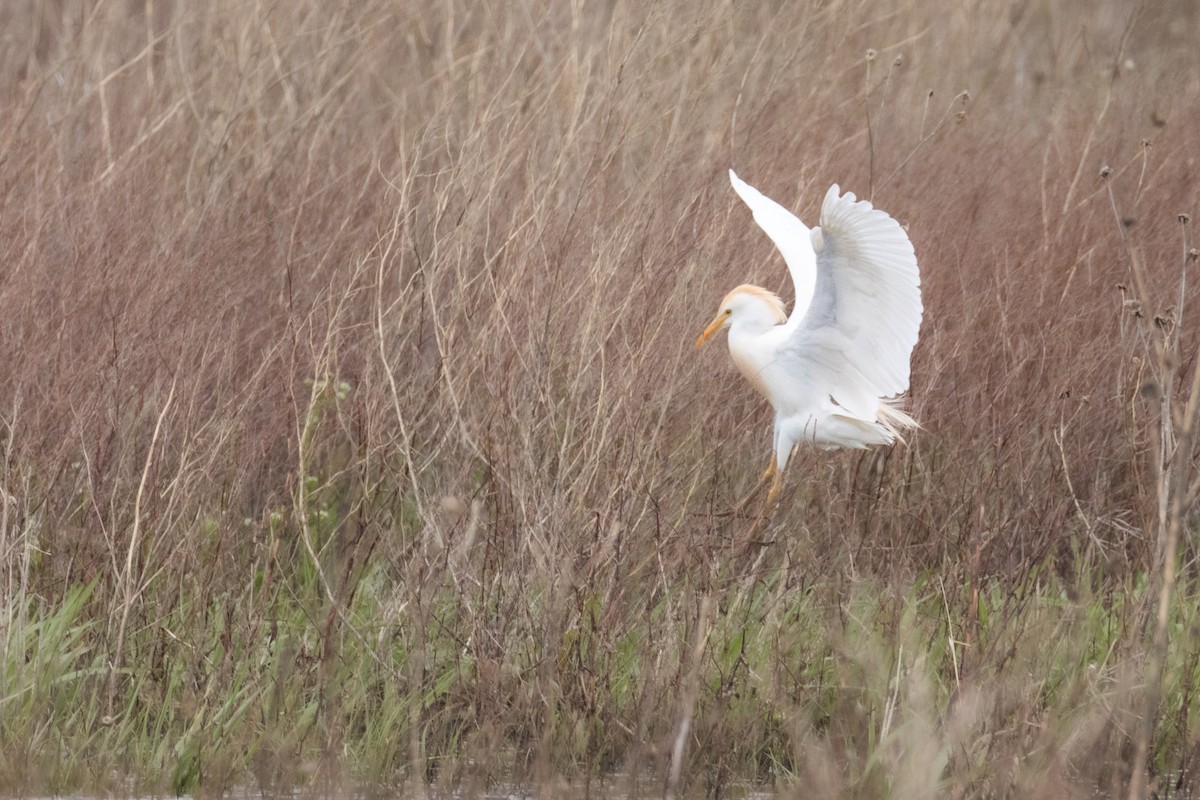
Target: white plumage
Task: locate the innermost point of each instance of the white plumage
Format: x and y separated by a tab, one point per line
833	368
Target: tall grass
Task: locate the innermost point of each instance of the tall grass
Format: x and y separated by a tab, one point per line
352	431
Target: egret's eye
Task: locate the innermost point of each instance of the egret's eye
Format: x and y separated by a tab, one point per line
728	311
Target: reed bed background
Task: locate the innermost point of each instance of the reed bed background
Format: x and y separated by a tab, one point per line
352	432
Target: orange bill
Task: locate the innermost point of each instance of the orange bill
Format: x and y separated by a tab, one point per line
712	328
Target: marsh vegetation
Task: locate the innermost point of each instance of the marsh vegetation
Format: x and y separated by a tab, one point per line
351	428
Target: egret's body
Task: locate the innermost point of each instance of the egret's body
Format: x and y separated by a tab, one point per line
833	368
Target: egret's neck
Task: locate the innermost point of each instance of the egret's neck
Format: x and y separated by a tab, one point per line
752	344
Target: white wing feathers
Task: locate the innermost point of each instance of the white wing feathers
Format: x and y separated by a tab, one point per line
858	306
868	289
790	236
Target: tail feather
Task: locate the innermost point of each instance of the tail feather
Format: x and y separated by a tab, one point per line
893	419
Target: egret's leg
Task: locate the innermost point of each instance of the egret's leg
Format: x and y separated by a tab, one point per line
750	535
771	471
783	444
773	492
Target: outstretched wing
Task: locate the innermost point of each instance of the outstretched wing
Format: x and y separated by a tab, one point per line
791	237
857	336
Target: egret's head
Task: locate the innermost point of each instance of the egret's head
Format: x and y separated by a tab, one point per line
746	303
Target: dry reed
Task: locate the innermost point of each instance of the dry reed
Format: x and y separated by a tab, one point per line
349	413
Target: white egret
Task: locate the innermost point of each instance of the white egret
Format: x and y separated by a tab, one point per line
834	368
